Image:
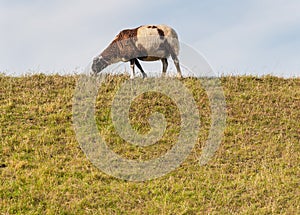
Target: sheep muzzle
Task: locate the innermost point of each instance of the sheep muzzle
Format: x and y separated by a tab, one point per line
98	64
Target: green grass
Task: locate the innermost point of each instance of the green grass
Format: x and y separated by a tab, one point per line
256	170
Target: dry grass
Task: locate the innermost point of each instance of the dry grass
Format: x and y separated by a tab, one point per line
255	171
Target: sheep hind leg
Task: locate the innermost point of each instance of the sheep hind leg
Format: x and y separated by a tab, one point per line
165	66
176	62
140	68
175	59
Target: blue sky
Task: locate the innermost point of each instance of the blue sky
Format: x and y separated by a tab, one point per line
237	37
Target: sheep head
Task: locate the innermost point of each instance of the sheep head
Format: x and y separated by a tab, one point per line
99	64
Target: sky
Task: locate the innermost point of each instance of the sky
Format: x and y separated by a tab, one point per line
249	37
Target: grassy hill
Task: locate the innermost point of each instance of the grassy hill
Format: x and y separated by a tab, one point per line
256	170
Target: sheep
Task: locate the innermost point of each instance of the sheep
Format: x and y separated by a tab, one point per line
146	43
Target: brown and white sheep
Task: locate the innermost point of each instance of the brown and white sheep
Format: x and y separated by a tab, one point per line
146	43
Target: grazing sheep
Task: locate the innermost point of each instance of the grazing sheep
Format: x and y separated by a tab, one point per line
146	43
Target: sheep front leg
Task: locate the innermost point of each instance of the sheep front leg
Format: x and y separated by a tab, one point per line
132	69
140	67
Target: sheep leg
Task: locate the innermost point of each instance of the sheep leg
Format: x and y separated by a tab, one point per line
140	67
176	62
165	66
175	59
132	69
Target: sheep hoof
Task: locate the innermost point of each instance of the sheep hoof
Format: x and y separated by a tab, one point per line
179	76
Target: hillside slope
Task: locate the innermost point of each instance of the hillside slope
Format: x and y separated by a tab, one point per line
255	170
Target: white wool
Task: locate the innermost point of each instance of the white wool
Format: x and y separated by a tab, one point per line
150	39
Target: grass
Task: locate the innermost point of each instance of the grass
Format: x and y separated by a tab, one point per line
256	170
